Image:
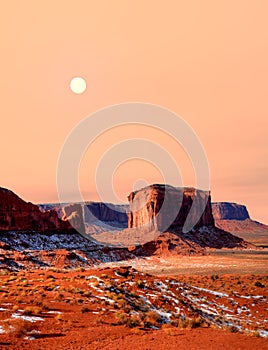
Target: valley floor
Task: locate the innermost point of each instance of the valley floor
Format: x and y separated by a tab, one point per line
216	262
188	303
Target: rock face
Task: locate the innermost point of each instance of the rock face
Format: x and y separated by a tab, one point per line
229	211
234	218
98	216
73	213
162	207
18	215
106	212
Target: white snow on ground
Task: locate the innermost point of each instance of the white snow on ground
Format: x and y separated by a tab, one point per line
211	292
263	333
28	318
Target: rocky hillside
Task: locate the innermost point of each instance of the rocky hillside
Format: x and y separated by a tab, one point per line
30	237
30	249
16	214
98	216
235	218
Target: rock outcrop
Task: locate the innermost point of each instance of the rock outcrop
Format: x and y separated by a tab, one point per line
147	215
229	211
97	216
235	218
162	207
112	214
73	213
18	215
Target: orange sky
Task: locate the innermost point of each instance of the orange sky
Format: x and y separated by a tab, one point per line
205	60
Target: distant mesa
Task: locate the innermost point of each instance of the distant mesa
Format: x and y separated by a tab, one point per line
229	211
153	229
144	227
234	218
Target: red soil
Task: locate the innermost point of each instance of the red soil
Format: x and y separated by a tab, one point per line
79	312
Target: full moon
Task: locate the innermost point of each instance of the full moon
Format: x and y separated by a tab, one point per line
78	85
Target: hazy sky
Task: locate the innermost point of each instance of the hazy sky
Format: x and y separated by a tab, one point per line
205	60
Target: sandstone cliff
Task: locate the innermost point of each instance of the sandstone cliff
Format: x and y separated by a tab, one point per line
234	218
147	215
229	211
98	216
18	215
162	207
73	213
107	212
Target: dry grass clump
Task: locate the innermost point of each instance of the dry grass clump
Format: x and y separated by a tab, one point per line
18	327
259	284
152	318
140	284
146	319
189	323
32	310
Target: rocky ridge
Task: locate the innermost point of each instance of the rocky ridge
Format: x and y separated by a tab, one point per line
229	211
16	214
234	218
31	236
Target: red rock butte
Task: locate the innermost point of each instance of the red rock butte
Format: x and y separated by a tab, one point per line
162	207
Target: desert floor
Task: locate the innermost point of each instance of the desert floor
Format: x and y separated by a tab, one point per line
223	297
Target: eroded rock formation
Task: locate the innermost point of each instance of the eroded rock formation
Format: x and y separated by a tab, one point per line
73	213
235	218
106	212
229	211
162	207
18	215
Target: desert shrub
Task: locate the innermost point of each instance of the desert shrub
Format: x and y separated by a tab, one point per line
87	293
254	334
12	278
59	317
140	284
259	284
80	269
214	277
84	309
100	320
134	321
49	287
233	329
59	297
190	322
122	318
15	308
152	317
18	327
18	300
130	321
32	310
